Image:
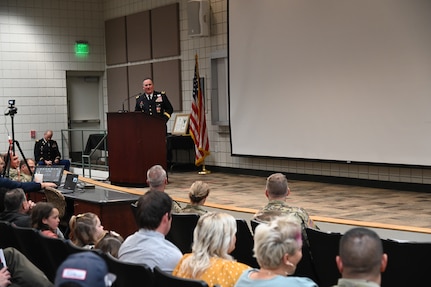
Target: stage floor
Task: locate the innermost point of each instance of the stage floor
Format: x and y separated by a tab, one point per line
406	208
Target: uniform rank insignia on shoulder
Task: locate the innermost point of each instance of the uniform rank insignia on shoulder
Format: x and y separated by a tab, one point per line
163	92
137	97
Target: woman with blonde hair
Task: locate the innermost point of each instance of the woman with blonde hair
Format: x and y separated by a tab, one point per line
213	239
198	194
85	230
278	250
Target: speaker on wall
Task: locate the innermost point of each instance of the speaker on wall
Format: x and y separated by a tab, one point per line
198	12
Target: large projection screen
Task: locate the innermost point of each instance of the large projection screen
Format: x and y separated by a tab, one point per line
344	80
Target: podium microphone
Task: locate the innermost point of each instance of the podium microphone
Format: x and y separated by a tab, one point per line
126	111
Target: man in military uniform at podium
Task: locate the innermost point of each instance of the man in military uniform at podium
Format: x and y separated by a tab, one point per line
46	151
152	102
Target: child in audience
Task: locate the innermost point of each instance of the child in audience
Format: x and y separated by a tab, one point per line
85	230
45	217
110	243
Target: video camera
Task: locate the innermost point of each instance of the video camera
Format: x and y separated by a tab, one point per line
12	109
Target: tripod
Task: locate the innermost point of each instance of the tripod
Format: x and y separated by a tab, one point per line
11	151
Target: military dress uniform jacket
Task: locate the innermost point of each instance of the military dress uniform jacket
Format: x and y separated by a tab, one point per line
159	105
46	150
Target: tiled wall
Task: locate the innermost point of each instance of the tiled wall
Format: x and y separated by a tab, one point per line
36	50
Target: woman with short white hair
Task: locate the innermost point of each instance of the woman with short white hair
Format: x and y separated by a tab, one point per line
278	250
213	239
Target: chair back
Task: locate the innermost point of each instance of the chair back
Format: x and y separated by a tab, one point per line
164	279
72	248
128	274
56	198
181	232
406	265
324	249
56	249
254	223
30	244
305	267
7	237
243	251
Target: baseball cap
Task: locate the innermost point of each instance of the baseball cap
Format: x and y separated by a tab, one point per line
86	269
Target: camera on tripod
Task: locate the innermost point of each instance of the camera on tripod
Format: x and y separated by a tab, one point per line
12	109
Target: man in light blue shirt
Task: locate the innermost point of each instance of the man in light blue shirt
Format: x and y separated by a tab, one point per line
148	245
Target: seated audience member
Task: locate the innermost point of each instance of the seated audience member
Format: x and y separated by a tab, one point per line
84	269
17	208
26	174
277	191
46	151
213	239
157	179
361	259
110	243
278	250
198	194
45	217
85	230
20	271
2	163
14	172
148	245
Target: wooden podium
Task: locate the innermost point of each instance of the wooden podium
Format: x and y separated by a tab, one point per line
137	141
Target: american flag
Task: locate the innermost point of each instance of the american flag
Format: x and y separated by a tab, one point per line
198	126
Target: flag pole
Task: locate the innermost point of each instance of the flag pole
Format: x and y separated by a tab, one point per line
198	128
204	170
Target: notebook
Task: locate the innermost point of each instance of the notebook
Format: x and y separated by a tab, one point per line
69	184
51	173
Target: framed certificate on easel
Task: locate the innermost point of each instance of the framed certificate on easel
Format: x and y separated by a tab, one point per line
181	124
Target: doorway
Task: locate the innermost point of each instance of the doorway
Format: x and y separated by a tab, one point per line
85	109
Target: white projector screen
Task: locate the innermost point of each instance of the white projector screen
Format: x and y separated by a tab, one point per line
345	80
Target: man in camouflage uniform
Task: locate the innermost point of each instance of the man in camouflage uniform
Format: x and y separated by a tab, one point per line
277	191
157	180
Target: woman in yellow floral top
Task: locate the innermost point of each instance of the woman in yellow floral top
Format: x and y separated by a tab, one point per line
213	239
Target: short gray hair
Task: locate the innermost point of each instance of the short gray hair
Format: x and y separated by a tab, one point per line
273	240
13	199
156	176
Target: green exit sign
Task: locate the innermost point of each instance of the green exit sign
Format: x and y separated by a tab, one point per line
81	48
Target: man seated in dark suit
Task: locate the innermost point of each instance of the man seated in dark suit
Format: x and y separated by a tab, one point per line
46	152
17	208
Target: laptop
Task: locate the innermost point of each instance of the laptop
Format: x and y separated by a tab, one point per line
51	173
69	184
